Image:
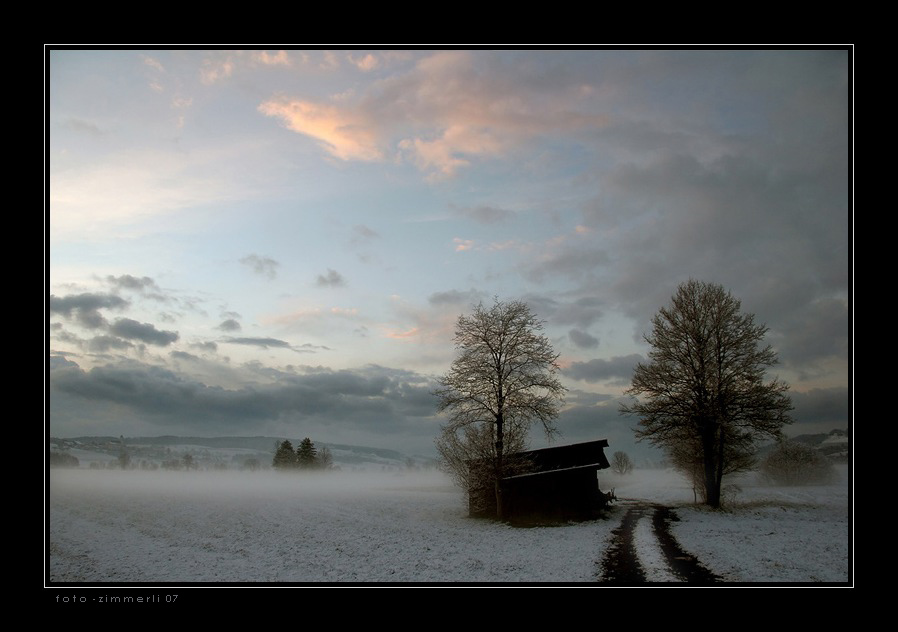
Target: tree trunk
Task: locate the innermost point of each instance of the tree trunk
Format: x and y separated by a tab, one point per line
718	479
500	448
711	465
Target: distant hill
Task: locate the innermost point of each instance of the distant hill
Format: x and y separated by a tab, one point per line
223	452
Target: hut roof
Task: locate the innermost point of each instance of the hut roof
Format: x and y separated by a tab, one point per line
588	454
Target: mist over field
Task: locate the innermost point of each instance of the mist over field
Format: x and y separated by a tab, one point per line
118	528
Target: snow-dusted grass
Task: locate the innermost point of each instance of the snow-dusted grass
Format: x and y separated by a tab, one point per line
187	527
765	534
266	527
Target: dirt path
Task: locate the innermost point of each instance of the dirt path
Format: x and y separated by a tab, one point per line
622	564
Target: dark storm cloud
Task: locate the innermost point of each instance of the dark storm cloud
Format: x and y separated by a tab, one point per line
128	282
740	176
826	408
144	332
229	325
583	339
84	308
372	398
817	332
617	370
331	279
485	214
265	266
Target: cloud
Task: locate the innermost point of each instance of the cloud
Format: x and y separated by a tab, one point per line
144	332
618	370
331	279
275	343
265	266
85	307
79	125
128	282
366	64
263	343
567	260
445	155
103	344
309	347
816	333
215	69
344	134
582	339
462	244
229	325
450	109
205	347
183	355
582	312
823	408
369	405
456	297
153	63
280	58
362	234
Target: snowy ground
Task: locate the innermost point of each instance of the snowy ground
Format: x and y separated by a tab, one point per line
114	527
767	535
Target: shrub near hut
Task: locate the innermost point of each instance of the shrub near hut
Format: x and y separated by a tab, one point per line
798	464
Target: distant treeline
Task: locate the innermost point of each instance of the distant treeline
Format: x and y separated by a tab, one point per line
305	457
63	459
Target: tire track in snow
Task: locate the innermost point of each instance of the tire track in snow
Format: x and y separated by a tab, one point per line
643	551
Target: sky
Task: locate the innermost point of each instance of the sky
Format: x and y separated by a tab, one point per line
279	242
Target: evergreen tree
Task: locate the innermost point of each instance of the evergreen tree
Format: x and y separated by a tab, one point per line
284	456
306	454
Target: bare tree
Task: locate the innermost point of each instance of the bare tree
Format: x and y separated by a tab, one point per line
502	382
468	454
706	400
621	463
325	458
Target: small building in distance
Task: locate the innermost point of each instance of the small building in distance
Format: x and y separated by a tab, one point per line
549	485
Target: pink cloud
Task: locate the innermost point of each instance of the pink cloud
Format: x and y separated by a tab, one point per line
342	133
441	115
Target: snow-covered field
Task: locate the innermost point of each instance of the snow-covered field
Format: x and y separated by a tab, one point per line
113	527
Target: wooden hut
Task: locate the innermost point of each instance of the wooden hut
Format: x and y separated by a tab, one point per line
548	485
